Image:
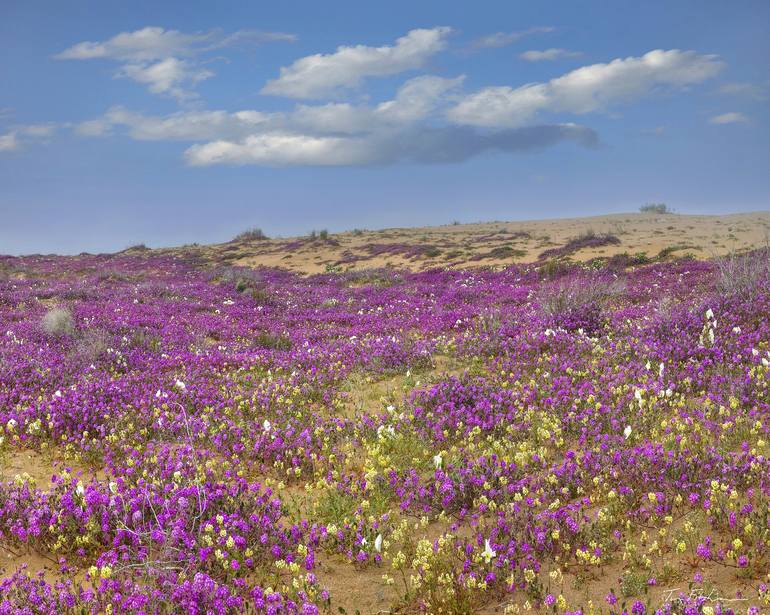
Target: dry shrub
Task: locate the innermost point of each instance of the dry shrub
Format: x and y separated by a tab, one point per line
59	322
745	276
578	302
90	347
242	279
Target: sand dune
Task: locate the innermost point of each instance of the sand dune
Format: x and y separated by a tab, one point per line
655	236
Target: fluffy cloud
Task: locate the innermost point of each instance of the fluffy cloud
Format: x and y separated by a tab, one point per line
429	120
503	39
549	55
151	56
326	75
37	131
182	126
587	89
407	128
421	145
416	100
154	43
23	134
9	142
733	117
93	128
167	76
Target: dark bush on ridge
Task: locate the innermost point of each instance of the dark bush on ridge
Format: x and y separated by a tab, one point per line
254	234
655	208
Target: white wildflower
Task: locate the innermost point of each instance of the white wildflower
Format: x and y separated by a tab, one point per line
489	553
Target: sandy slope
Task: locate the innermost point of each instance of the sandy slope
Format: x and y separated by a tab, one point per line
497	243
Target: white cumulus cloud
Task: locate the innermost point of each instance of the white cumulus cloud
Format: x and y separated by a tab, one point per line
407	128
184	125
164	60
421	144
733	117
155	43
326	75
587	89
430	119
503	39
20	135
548	55
168	76
9	142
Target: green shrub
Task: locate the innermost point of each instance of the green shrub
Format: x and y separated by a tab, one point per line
273	341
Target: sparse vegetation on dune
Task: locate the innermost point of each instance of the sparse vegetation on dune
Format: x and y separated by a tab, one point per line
254	234
655	208
494	244
589	239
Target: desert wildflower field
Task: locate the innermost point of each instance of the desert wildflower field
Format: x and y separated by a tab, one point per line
178	436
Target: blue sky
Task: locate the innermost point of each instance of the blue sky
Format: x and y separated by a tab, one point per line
177	122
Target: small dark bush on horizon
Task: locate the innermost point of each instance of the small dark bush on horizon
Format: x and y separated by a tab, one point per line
655	208
253	234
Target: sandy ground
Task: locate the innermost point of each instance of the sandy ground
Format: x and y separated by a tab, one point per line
495	243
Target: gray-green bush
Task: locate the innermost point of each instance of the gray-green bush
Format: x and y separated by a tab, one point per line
59	322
